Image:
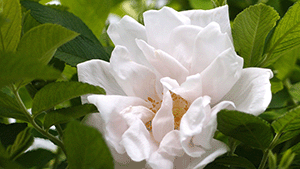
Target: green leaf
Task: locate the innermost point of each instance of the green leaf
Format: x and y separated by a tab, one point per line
15	68
12	113
286	35
10	31
201	4
235	161
250	29
86	148
246	128
276	85
8	102
295	91
42	41
286	159
93	14
67	114
35	158
296	148
6	163
29	22
9	132
23	141
288	135
58	92
84	47
289	121
272	160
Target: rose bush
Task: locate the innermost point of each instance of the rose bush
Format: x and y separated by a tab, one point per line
166	82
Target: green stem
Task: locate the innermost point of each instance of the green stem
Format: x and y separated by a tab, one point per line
59	130
34	124
266	152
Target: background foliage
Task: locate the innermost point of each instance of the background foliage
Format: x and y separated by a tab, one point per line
40	46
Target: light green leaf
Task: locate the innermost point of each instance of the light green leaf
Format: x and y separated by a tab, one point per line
9	102
42	41
286	159
93	14
295	91
289	121
86	148
246	128
286	36
250	29
15	68
65	115
58	92
276	85
23	141
201	4
10	31
84	47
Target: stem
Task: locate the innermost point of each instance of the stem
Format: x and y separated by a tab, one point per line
266	152
59	130
34	124
56	159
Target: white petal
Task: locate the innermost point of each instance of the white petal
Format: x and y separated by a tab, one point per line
138	142
132	113
209	44
96	72
219	77
190	90
182	41
252	92
110	107
163	121
192	123
204	17
124	33
134	79
158	35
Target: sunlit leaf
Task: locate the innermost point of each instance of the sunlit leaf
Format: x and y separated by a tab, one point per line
42	41
58	92
295	91
247	128
10	31
86	148
201	4
289	121
67	114
250	29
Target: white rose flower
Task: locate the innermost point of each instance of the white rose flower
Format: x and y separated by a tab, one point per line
166	82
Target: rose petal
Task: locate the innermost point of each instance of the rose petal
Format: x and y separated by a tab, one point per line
182	41
209	44
204	17
192	123
133	113
190	90
251	93
138	142
124	33
134	79
158	36
219	77
96	72
110	113
163	121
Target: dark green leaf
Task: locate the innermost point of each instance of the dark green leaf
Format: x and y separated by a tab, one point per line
295	91
250	29
289	121
247	128
235	161
23	141
42	41
85	47
86	148
15	68
286	35
9	132
55	93
296	148
10	31
288	135
6	163
29	22
35	158
12	113
67	114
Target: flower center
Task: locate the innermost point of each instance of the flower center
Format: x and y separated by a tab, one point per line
180	106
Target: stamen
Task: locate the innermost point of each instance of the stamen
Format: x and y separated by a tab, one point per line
180	107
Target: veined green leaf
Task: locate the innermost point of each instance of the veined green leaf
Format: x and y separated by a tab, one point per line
8	101
289	121
247	128
10	30
58	92
15	68
12	113
295	91
84	47
250	29
86	148
286	35
67	114
42	41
